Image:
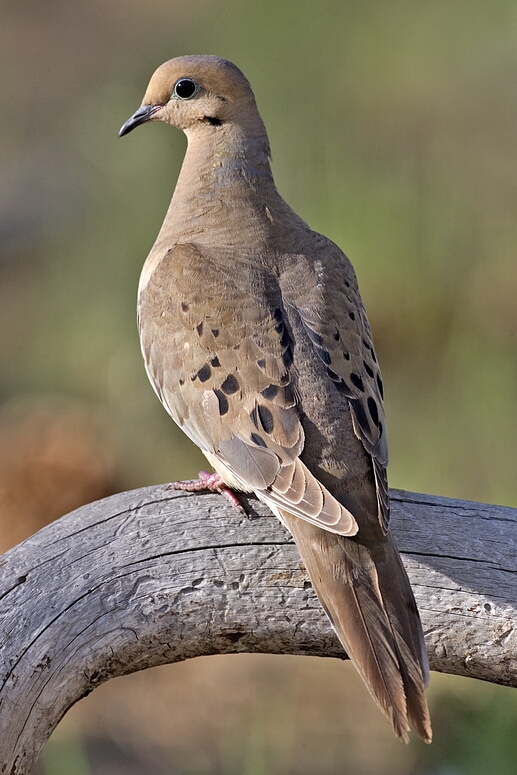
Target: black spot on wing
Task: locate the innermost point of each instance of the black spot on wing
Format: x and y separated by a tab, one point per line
199	329
261	417
356	380
289	394
254	418
372	408
215	362
223	402
380	385
270	392
258	440
266	418
230	385
368	369
204	373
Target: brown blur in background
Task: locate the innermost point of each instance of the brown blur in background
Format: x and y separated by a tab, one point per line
394	131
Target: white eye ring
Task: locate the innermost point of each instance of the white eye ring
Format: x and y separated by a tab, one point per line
185	89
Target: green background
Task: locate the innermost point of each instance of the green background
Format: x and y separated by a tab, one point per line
393	131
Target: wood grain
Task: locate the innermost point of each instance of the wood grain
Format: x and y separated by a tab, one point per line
155	576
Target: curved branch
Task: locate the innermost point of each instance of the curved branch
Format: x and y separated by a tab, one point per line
154	576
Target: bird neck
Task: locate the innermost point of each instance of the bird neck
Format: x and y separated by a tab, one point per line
226	186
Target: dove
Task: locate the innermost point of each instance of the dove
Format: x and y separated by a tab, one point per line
257	343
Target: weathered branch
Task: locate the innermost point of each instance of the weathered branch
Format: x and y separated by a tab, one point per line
155	576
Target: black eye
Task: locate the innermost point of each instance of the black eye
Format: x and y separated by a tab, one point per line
185	89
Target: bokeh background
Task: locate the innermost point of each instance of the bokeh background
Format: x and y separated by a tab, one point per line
393	128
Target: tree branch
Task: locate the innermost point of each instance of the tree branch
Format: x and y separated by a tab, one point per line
154	576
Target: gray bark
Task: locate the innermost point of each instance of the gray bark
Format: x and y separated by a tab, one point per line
154	576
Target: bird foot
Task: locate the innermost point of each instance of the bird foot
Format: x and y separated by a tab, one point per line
211	483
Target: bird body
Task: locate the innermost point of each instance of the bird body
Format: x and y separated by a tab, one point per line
257	343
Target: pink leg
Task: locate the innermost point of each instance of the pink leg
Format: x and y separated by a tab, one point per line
212	483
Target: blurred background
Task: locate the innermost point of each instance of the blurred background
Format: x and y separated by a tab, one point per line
393	129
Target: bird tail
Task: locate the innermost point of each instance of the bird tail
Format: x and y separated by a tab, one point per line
367	596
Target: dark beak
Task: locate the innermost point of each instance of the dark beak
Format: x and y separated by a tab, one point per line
142	115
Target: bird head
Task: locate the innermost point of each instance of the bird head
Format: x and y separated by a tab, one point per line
196	93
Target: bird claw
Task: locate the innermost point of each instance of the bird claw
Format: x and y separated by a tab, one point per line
211	483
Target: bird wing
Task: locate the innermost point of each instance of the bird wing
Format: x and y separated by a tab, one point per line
361	583
219	355
323	291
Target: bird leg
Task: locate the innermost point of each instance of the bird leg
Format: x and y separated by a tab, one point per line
211	483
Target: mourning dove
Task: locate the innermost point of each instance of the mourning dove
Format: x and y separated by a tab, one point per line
257	343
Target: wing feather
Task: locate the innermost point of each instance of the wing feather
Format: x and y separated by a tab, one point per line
224	372
334	319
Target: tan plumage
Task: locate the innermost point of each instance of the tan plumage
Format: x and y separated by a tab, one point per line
257	343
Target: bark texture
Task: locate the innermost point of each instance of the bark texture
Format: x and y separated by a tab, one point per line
154	576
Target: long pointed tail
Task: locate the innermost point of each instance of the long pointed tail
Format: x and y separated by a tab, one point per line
366	594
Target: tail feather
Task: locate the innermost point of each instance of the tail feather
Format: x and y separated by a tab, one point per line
368	599
407	629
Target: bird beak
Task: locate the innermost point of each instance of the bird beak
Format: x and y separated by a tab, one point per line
142	115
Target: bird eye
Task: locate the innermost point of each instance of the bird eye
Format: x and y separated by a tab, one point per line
185	88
